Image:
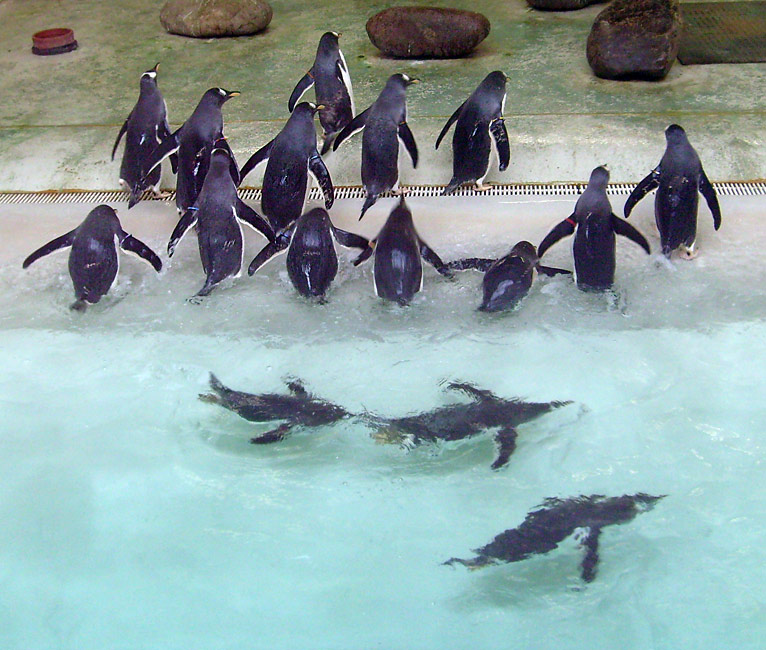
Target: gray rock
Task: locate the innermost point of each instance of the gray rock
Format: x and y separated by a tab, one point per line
427	32
635	39
207	18
560	5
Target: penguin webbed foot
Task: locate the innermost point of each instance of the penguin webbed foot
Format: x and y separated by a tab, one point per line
79	306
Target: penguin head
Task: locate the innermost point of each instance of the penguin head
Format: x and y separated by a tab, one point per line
149	78
219	149
526	251
675	134
599	178
646	502
328	44
103	218
402	79
496	80
307	109
219	96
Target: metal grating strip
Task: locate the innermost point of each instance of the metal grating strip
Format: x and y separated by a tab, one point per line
754	188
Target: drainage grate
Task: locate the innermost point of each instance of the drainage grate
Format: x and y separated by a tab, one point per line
357	192
723	32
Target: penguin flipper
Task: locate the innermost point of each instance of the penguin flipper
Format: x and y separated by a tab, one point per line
164	149
50	247
500	134
130	244
430	256
350	239
279	244
296	387
408	140
247	215
184	223
449	123
353	127
366	253
275	435
300	88
319	171
472	391
622	227
479	263
506	445
707	190
551	270
163	131
589	562
123	131
256	159
649	183
566	227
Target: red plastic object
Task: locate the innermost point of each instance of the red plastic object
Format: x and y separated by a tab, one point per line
53	41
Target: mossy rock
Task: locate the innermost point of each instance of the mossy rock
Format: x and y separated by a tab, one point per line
214	18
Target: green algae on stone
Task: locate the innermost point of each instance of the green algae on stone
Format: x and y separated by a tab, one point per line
213	18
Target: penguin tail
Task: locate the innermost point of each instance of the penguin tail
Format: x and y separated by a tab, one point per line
452	186
79	306
368	203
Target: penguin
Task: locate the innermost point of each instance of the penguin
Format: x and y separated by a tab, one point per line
556	519
508	279
93	260
678	178
217	213
311	259
332	85
298	409
485	411
145	127
398	271
291	156
383	122
594	243
478	118
194	143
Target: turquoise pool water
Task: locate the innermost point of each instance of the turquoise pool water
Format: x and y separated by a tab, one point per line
136	516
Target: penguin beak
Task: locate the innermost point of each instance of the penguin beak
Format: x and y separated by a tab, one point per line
156	67
318	107
606	166
232	93
338	34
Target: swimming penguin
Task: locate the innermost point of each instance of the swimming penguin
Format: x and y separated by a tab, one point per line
508	279
556	519
459	421
332	85
93	260
311	259
298	409
384	124
217	213
145	127
194	143
678	177
292	155
398	271
478	117
594	244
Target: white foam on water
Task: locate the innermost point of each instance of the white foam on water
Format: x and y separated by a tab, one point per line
135	515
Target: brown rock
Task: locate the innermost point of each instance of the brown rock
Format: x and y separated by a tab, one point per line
427	32
207	18
635	39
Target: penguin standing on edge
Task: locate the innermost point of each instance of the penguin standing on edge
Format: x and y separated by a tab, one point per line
194	143
384	124
217	213
480	116
594	243
508	279
93	260
291	156
312	262
332	85
678	179
398	271
145	127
